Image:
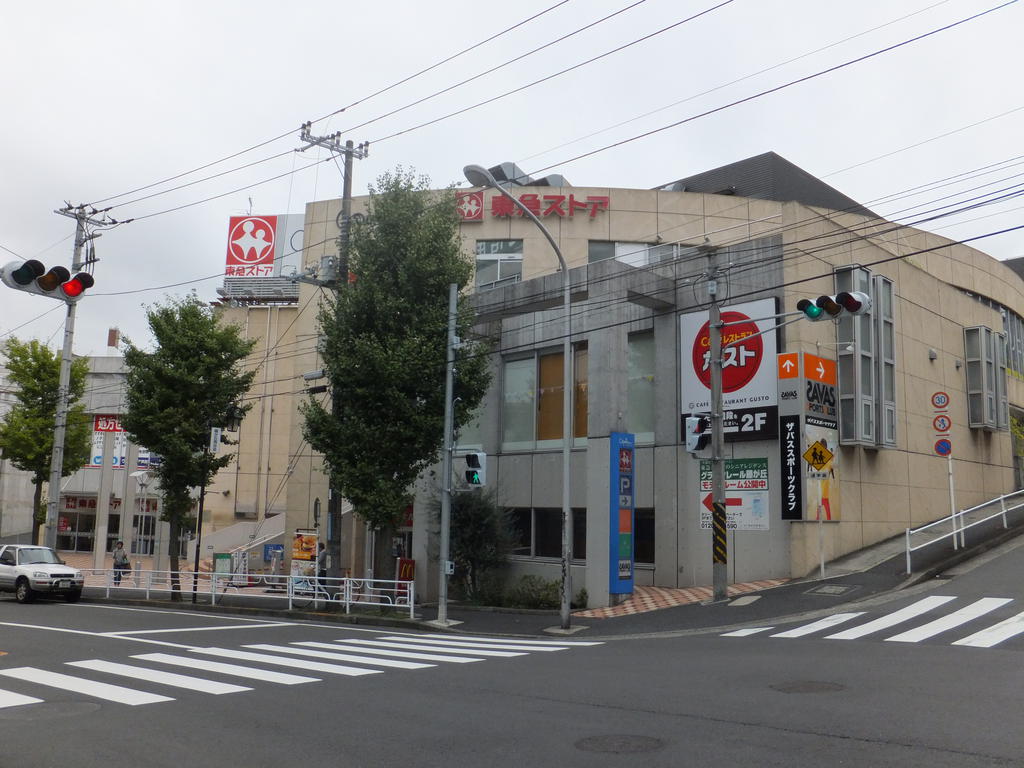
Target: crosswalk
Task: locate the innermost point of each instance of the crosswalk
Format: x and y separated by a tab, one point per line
307	661
957	619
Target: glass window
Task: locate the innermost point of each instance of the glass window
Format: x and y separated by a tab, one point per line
522	530
644	528
984	352
533	400
549	397
547	532
600	250
579	534
517	416
498	261
640	386
579	395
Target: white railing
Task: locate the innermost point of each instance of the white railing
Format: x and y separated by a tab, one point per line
294	592
957	525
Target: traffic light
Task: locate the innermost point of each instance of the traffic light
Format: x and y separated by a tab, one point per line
831	307
476	472
57	283
698	433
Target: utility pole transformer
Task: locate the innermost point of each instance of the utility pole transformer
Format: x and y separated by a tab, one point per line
333	273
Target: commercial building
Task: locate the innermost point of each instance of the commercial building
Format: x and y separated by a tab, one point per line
848	422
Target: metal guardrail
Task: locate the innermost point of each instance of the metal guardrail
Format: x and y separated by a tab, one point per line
295	592
959	528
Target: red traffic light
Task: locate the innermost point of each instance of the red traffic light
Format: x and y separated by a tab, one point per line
77	285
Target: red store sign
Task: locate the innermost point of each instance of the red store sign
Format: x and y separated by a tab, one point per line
471	205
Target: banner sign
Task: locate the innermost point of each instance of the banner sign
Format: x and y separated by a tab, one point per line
749	384
304	552
746	494
258	246
791	462
621	498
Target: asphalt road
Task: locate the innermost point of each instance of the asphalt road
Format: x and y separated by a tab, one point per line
759	699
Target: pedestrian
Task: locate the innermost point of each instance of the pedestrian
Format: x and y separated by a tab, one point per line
121	562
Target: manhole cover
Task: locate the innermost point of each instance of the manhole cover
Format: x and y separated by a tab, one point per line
619	744
807	686
832	590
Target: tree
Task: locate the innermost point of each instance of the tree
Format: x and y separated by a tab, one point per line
26	431
384	345
190	382
481	537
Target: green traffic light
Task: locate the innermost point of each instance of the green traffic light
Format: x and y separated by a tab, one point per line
811	310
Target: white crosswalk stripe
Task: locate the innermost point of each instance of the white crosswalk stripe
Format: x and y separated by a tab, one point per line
892	619
266	658
995	634
104	691
950	621
172	679
233	670
11	699
984	638
361	656
392	663
434	648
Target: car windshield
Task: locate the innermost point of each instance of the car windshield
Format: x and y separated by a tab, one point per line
31	555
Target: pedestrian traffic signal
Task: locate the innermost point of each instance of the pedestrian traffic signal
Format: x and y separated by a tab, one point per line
476	472
698	433
57	283
831	307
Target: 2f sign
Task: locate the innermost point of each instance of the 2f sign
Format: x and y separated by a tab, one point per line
752	422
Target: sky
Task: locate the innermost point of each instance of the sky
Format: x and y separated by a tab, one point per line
103	98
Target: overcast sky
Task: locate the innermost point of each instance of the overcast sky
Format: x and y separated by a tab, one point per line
104	97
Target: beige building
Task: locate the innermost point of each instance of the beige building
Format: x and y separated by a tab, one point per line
939	356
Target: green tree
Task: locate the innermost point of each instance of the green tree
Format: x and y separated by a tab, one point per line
189	383
26	431
481	538
384	348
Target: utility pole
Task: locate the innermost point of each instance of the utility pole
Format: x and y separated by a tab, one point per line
82	236
446	458
719	542
334	274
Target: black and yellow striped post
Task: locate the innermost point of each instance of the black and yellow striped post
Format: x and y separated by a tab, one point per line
720	552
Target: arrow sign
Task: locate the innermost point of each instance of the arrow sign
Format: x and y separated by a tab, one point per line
821	370
733	501
788	366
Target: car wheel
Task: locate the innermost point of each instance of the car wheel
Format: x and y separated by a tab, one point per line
23	592
74	596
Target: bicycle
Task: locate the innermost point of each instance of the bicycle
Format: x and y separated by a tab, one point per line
306	591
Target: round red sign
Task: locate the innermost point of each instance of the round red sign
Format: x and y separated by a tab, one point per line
742	352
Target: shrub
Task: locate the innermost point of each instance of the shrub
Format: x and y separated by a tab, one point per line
534	592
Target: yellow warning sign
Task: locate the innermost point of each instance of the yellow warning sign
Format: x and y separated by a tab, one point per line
818	455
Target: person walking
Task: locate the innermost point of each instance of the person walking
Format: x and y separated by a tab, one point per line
121	562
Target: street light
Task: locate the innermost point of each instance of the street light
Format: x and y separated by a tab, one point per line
479	176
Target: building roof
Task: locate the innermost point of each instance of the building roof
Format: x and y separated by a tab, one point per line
768	177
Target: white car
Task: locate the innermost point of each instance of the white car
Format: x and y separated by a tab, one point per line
28	571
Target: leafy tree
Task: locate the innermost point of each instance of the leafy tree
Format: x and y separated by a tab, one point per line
481	538
26	431
189	383
384	347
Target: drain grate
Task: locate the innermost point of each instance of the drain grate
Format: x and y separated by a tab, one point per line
620	744
832	590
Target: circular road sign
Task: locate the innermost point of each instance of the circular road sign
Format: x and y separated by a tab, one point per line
940	400
742	352
942	423
943	447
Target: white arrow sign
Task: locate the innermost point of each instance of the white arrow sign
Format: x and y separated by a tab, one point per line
821	370
788	365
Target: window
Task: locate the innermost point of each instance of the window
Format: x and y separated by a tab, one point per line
634	254
532	400
640	386
867	363
985	353
643	525
498	261
538	533
1013	327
